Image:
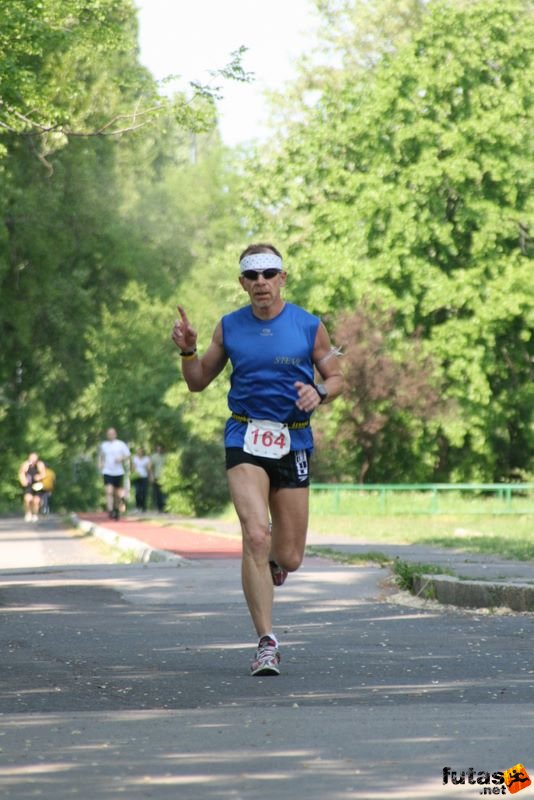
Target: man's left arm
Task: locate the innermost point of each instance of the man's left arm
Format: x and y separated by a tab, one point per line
325	359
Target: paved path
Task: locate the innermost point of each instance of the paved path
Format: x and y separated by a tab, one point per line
44	544
469	580
130	680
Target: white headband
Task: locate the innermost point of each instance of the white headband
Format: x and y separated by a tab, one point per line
261	261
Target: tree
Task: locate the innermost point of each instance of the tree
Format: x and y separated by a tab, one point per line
79	206
413	185
392	393
70	68
358	34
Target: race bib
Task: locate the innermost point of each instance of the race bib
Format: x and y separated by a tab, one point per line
267	439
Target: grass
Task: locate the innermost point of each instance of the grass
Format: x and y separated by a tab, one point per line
370	556
412	503
404	573
507	536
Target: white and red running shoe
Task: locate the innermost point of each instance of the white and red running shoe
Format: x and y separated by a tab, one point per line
267	658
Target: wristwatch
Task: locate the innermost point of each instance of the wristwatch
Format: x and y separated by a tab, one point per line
321	391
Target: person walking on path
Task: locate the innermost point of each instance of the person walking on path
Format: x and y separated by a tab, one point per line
31	476
113	454
140	471
157	462
273	347
49	483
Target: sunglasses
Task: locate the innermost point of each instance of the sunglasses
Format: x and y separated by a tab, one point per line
252	274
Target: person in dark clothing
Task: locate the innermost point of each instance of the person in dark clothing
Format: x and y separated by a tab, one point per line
31	476
140	472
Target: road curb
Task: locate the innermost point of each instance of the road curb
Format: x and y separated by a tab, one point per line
140	551
446	589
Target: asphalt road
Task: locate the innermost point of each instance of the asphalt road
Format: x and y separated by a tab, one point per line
132	681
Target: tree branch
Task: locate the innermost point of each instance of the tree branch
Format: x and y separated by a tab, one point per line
37	127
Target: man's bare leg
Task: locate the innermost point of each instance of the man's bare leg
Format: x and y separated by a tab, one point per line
109	497
249	488
289	512
120	499
28	498
36	505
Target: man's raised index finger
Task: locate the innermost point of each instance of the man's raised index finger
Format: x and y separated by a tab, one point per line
183	314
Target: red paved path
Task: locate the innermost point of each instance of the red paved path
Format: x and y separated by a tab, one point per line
171	537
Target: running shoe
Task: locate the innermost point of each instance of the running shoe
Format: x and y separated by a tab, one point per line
267	658
278	573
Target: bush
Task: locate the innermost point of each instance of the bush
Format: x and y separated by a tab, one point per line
78	485
194	479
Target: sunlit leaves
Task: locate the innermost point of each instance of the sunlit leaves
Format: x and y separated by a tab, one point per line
411	180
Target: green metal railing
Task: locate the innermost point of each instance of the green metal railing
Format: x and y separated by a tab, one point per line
423	498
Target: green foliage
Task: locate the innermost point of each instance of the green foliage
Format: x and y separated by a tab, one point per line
406	573
97	230
406	186
371	556
132	366
413	186
69	68
392	400
178	500
56	60
359	33
194	478
78	485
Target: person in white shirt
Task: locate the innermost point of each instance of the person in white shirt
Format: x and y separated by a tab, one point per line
140	472
113	454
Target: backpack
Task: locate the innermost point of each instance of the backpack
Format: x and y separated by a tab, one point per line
49	480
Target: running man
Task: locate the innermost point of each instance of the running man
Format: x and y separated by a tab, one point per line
113	454
273	347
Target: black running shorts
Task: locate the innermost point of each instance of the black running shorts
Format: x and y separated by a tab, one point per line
292	471
115	480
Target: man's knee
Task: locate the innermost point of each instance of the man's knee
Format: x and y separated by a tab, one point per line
291	561
257	540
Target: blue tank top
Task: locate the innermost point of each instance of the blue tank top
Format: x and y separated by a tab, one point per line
267	357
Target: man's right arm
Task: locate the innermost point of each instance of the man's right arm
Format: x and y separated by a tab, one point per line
199	371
